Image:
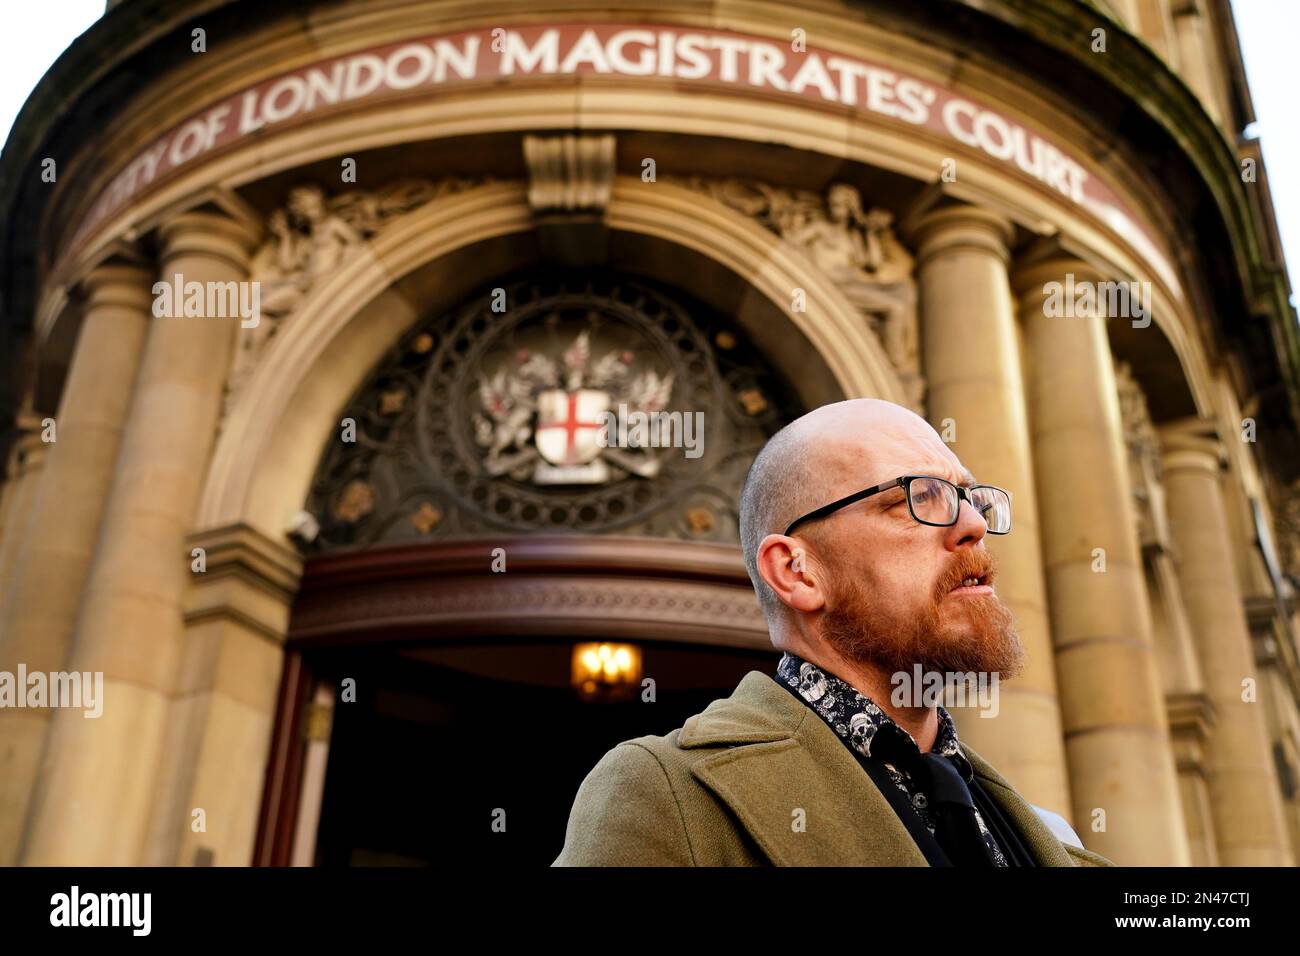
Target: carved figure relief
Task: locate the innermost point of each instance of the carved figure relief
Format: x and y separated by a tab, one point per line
856	248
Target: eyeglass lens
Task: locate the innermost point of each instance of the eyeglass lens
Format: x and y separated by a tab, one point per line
935	500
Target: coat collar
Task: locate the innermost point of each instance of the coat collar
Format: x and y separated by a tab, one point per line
780	757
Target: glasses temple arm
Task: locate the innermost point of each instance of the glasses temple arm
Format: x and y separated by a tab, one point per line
844	502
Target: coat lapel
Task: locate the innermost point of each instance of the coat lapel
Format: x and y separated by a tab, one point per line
1041	842
781	758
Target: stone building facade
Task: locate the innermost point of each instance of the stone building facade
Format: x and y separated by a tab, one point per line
454	227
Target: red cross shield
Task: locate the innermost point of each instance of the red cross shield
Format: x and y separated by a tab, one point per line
568	424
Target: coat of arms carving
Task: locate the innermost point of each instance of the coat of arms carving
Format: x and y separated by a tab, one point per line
554	401
546	418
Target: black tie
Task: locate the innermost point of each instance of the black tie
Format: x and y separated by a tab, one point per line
950	804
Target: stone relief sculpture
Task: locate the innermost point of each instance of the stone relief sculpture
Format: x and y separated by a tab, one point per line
306	239
856	248
310	238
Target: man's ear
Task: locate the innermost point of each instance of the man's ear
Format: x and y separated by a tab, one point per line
789	570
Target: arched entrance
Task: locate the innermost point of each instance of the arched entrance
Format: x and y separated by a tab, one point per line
460	560
465	700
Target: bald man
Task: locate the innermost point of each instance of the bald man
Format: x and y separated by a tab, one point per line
865	539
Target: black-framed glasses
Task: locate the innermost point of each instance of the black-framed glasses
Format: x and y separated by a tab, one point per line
932	501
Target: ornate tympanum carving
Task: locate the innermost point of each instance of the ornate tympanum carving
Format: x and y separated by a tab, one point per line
486	418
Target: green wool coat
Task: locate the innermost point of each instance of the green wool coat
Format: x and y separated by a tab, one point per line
722	791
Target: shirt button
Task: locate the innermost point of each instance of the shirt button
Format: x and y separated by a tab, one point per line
919	801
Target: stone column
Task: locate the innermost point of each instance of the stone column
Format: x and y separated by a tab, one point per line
1123	781
26	462
1191	722
972	367
1244	794
1187	707
95	794
41	600
223	712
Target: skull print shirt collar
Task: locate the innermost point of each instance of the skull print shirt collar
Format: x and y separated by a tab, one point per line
857	718
859	722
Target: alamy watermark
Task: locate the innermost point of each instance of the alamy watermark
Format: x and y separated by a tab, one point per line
208	300
654	429
922	688
83	689
75	908
1111	300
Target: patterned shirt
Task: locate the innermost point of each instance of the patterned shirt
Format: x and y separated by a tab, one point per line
857	720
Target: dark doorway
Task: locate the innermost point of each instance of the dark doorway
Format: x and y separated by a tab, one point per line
440	738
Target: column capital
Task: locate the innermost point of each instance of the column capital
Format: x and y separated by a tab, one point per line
28	449
1191	443
210	230
953	226
117	281
1191	713
1045	262
214	221
248	577
1191	717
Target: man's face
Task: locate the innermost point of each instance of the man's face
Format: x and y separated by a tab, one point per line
895	598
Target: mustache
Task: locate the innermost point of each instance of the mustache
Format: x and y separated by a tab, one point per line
968	564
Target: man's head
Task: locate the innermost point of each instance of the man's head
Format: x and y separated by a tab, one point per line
868	582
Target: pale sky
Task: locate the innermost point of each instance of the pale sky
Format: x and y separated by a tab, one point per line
35	34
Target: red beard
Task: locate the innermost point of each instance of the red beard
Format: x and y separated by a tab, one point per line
945	635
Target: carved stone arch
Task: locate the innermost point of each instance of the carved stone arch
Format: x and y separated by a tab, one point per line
273	433
856	140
